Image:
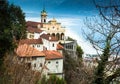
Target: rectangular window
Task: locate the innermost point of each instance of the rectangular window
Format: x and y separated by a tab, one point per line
34	65
29	65
21	59
38	45
33	58
40	64
49	62
31	36
53	45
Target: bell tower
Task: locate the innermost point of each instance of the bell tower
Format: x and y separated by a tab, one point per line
43	16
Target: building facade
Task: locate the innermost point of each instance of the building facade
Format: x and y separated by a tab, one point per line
70	47
55	29
46	62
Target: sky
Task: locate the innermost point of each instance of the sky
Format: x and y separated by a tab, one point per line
70	13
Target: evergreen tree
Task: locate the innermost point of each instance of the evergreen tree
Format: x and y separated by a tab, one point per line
12	23
79	52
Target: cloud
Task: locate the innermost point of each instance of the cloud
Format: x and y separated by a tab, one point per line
31	12
36	19
85	45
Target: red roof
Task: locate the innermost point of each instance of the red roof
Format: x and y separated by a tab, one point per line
28	51
52	55
31	41
33	24
59	47
32	30
48	37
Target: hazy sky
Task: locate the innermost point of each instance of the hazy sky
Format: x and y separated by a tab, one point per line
76	7
71	13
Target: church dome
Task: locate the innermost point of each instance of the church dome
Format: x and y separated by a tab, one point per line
53	20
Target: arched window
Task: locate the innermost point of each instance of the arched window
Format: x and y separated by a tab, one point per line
44	20
62	36
58	36
53	34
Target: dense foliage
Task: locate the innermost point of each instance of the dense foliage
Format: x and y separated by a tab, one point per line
52	80
79	52
12	23
12	29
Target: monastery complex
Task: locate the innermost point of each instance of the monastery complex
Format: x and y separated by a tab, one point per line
42	50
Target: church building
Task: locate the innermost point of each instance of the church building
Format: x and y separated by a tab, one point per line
52	28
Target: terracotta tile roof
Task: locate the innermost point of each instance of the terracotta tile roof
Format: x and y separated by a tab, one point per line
32	30
33	24
52	55
48	37
31	41
59	47
28	51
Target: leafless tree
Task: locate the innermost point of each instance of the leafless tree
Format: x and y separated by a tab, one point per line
75	72
104	33
18	73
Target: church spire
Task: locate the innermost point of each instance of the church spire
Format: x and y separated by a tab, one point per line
43	14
